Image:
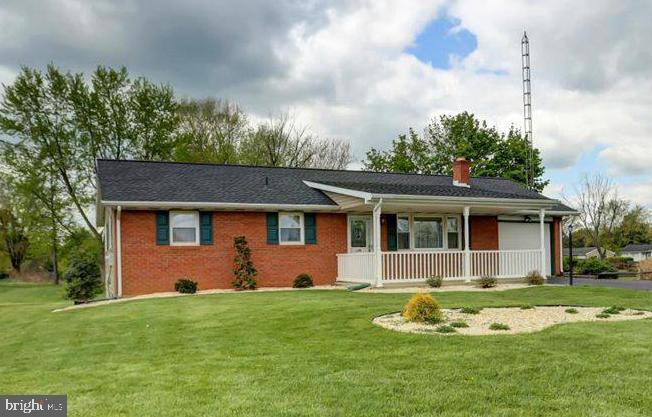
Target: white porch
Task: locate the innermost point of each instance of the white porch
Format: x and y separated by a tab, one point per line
417	266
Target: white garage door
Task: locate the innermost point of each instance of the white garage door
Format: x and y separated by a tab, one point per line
513	236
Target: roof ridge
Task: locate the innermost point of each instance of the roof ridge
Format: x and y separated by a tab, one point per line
300	168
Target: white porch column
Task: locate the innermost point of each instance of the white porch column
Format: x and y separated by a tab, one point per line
378	260
542	237
467	245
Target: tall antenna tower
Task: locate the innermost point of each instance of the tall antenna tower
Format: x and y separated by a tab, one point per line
527	109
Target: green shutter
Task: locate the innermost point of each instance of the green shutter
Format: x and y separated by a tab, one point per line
391	232
206	228
272	228
310	226
162	228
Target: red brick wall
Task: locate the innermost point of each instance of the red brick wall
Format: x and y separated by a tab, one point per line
148	267
484	232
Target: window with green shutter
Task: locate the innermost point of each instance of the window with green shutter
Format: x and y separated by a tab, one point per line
162	228
272	228
206	228
310	220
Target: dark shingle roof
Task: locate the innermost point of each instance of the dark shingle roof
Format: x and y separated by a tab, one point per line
579	251
185	182
637	248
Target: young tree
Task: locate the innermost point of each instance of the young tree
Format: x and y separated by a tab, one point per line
57	119
601	210
243	267
491	152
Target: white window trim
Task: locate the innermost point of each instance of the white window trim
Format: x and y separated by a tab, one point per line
301	233
196	216
444	229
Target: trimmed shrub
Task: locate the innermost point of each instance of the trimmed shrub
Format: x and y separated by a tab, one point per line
593	266
243	267
302	281
435	281
423	308
83	278
459	324
470	310
622	263
534	278
603	316
185	286
487	282
527	307
613	310
498	326
571	310
445	329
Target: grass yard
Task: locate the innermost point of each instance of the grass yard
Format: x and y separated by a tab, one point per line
316	353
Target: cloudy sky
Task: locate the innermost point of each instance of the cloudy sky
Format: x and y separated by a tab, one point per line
368	70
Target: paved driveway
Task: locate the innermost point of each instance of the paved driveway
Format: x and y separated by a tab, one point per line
644	285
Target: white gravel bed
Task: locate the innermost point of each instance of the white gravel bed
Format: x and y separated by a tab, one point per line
518	320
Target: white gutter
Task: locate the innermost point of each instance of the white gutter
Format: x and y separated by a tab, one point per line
345	191
119	250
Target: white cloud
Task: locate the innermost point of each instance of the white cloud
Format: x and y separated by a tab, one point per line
341	67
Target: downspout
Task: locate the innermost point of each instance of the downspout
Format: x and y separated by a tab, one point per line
118	237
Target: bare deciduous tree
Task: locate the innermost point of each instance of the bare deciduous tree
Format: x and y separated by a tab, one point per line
601	210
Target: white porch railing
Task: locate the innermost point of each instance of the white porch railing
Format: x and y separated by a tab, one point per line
414	266
356	267
420	265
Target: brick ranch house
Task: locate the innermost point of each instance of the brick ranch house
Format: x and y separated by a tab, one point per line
164	221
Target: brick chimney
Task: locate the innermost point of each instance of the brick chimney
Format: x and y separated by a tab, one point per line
461	173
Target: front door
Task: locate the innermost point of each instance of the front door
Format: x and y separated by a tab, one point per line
360	234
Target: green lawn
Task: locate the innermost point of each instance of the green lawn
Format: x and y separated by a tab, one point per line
316	353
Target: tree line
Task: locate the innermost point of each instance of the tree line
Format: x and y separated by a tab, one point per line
55	124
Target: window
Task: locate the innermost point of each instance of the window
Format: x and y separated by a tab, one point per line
428	233
452	233
290	228
184	227
403	232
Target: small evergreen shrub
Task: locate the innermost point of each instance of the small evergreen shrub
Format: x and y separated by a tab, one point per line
593	266
487	282
459	324
435	281
571	310
498	326
423	308
534	278
243	267
82	276
185	286
470	310
613	310
302	281
445	329
603	316
527	307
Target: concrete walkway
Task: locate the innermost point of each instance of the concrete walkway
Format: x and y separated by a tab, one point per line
643	285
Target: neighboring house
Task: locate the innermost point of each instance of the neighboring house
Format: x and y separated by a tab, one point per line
637	252
589	252
164	221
